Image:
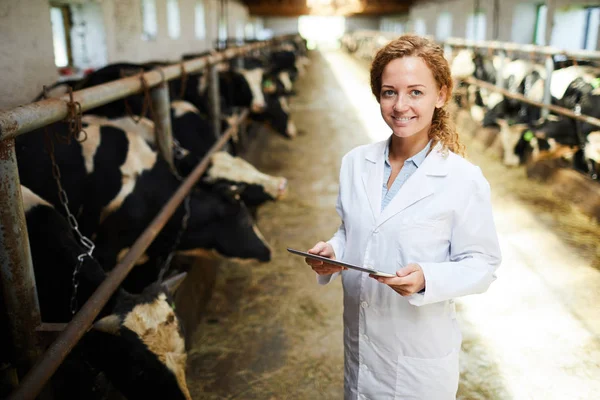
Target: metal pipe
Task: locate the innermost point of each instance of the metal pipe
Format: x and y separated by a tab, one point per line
16	267
547	93
37	377
32	116
214	99
161	106
559	110
526	48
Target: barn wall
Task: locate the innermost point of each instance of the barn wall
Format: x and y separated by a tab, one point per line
88	38
515	21
26	51
124	29
358	23
498	27
281	26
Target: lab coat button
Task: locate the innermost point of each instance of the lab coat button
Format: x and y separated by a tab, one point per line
376	231
364	304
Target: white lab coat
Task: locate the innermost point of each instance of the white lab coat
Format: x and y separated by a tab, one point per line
407	347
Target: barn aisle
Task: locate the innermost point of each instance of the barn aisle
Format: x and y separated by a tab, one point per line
271	332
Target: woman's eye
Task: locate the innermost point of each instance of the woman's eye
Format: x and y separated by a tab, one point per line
388	93
416	92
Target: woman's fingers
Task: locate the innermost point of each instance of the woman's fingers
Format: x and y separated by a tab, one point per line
326	269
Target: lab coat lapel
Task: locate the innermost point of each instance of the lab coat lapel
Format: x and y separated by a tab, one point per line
418	186
372	176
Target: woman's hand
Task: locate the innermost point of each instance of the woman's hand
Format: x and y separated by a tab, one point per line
408	280
322	268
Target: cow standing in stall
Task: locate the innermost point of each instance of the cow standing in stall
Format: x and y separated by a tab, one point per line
136	343
116	185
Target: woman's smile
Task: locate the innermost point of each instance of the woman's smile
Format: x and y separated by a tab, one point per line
402	121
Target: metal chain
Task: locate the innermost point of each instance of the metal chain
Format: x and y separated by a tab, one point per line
75	280
179	152
146	101
75	129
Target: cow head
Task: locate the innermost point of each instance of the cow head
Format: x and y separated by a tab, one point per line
258	187
138	343
254	79
141	345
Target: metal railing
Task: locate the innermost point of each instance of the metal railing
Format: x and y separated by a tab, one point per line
547	53
504	50
16	269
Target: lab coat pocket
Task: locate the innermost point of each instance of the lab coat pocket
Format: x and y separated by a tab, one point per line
423	240
427	378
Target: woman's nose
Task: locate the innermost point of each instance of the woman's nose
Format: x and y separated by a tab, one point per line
401	104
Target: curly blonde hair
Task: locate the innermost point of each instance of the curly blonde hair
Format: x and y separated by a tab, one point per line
442	128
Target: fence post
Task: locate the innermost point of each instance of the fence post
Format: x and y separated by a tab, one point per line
500	76
214	99
16	267
162	130
547	83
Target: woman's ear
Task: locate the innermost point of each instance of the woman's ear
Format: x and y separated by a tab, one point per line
441	100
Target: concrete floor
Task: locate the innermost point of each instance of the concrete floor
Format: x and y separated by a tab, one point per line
271	332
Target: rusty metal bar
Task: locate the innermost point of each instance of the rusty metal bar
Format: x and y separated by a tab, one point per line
525	48
214	99
37	377
559	110
32	116
162	122
16	268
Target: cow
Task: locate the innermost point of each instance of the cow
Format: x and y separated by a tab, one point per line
194	133
117	184
137	341
255	186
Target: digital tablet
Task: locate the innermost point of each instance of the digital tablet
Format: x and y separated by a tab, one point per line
340	263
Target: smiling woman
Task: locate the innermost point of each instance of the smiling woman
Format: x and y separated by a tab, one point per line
413	207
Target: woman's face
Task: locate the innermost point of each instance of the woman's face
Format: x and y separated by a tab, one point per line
409	95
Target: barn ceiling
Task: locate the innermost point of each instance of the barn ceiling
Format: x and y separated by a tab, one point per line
293	8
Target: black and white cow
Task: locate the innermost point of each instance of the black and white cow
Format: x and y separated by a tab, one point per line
137	341
254	187
117	184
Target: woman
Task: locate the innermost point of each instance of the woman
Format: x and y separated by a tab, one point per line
410	205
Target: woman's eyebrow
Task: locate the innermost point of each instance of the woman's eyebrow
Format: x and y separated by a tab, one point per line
409	86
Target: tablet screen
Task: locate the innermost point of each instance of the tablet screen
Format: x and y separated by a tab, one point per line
340	263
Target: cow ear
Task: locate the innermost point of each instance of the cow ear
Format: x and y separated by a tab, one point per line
109	324
173	283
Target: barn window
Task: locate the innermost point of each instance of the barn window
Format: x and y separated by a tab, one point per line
149	24
200	20
173	20
591	29
222	30
59	37
249	30
239	32
476	26
420	27
539	35
444	26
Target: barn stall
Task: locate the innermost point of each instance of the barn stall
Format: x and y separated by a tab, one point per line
266	330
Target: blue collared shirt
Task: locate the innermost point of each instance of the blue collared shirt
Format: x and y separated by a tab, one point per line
409	168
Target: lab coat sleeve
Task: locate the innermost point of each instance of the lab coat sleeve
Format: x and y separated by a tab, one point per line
474	252
338	241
